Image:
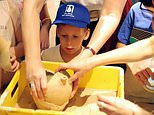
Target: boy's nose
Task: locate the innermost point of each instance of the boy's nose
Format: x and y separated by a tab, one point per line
69	41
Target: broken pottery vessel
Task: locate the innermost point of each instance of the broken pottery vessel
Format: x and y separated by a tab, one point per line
58	92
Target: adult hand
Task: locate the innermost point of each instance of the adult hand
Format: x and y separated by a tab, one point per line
117	106
81	64
79	72
141	70
37	78
143	75
80	67
75	87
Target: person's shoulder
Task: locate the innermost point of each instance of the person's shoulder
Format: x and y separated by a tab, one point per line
136	6
49	50
50	53
135	9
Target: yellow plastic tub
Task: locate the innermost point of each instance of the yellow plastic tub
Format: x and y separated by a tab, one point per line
103	77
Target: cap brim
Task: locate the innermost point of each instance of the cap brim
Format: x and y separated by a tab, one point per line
72	23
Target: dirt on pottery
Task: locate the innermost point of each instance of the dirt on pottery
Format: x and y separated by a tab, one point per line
84	102
26	100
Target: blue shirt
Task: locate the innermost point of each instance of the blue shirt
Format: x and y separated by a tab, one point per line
137	18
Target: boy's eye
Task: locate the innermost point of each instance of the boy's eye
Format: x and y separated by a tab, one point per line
75	36
64	36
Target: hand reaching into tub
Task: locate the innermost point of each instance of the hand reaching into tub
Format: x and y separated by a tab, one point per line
117	106
80	68
142	70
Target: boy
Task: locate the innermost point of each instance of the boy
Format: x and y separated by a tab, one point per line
72	22
140	16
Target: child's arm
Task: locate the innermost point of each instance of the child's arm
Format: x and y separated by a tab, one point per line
45	27
18	49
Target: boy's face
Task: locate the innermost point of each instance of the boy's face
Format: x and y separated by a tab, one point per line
71	38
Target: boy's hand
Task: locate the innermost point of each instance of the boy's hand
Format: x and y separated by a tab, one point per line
14	63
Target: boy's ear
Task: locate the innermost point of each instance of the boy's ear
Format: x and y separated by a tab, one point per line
57	32
87	33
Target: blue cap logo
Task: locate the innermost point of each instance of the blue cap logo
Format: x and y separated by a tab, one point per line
73	14
69	10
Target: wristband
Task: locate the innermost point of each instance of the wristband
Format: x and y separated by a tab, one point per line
92	50
44	20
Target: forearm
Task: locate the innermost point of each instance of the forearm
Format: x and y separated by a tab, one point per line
101	34
104	29
134	52
45	18
44	13
46	25
120	45
44	35
31	30
108	21
19	50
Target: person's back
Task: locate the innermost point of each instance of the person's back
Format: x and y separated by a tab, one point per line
10	35
138	17
71	30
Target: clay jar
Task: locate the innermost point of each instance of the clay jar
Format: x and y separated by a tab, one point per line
58	91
